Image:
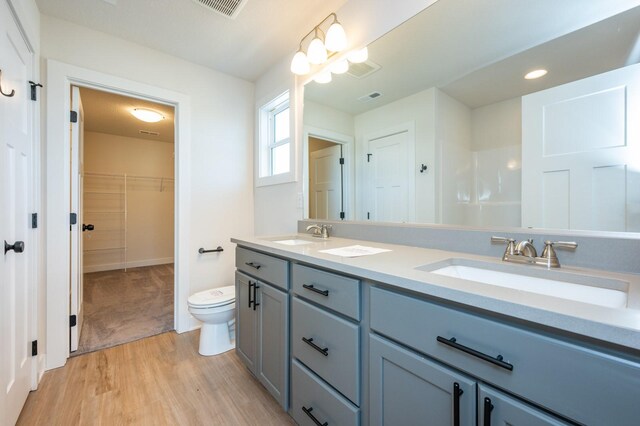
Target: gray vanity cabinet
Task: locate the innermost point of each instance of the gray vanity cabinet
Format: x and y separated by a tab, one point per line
262	322
498	409
408	389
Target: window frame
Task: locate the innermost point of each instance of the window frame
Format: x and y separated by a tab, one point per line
266	143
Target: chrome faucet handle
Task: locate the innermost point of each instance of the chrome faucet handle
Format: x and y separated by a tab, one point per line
511	245
325	230
562	244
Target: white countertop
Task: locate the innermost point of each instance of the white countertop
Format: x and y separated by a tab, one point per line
397	268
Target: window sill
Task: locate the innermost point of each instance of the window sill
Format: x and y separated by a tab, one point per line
288	177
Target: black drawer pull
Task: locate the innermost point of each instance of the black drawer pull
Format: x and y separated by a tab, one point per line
456	403
315	290
323	351
253	265
255	295
488	407
495	361
308	411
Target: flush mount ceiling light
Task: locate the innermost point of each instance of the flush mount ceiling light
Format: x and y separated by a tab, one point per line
532	75
147	115
318	49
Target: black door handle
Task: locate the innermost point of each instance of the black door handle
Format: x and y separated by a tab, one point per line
88	227
250	287
456	403
18	247
255	295
488	407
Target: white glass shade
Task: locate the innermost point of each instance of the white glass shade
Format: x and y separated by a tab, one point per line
358	56
323	77
300	64
147	115
316	53
336	39
339	67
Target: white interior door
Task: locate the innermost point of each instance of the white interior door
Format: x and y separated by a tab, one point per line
325	183
389	178
76	285
15	204
581	154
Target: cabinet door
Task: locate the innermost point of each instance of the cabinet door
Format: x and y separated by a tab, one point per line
273	338
498	409
408	389
246	321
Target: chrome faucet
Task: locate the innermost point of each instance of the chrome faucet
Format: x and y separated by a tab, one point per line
525	252
319	231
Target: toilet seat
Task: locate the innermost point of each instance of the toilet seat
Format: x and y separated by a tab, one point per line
211	298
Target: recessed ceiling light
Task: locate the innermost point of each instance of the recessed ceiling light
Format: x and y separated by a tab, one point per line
147	115
535	74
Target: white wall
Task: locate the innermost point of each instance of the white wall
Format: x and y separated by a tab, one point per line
222	120
276	207
150	203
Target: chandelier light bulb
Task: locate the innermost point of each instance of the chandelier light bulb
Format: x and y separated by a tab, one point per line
358	56
339	67
336	39
300	63
317	52
323	77
147	115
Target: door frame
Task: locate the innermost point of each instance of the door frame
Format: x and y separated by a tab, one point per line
410	129
347	143
60	78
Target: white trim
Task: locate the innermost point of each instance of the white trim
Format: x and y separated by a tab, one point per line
290	176
347	142
131	264
60	77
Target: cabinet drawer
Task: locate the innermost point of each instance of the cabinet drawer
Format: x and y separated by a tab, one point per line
339	339
333	291
264	267
318	400
582	384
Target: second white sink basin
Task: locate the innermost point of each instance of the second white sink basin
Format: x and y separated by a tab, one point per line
294	242
593	290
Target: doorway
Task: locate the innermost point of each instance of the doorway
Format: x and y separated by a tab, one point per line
326	180
122	188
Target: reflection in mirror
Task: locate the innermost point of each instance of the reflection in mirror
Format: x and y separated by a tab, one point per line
434	129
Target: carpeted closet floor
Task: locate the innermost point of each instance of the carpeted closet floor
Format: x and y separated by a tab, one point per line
121	306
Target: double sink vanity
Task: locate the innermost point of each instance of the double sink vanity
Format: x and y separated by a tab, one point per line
423	336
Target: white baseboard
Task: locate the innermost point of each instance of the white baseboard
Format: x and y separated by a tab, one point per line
132	264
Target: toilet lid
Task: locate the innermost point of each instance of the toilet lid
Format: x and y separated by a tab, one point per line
213	297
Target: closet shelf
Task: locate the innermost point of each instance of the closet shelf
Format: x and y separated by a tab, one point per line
105	192
105	211
105	249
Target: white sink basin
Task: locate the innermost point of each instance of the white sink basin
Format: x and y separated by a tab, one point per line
294	242
581	288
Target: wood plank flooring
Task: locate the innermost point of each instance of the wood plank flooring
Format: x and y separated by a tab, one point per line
160	380
121	306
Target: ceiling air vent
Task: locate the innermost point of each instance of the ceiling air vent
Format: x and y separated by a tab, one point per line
369	97
363	69
149	133
228	8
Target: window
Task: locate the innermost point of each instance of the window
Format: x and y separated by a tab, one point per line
274	140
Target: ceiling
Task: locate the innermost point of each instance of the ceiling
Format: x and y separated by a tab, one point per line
109	113
478	52
246	47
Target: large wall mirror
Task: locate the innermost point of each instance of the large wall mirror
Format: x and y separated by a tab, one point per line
441	126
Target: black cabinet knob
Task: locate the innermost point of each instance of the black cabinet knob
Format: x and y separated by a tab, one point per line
17	247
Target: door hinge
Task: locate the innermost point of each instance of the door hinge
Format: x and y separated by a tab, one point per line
73	218
341	161
341	215
73	320
73	117
34	220
34	348
369	157
368	216
34	93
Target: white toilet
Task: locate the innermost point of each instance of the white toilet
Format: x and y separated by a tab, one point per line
215	308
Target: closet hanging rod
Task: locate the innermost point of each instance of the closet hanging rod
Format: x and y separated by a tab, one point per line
128	176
